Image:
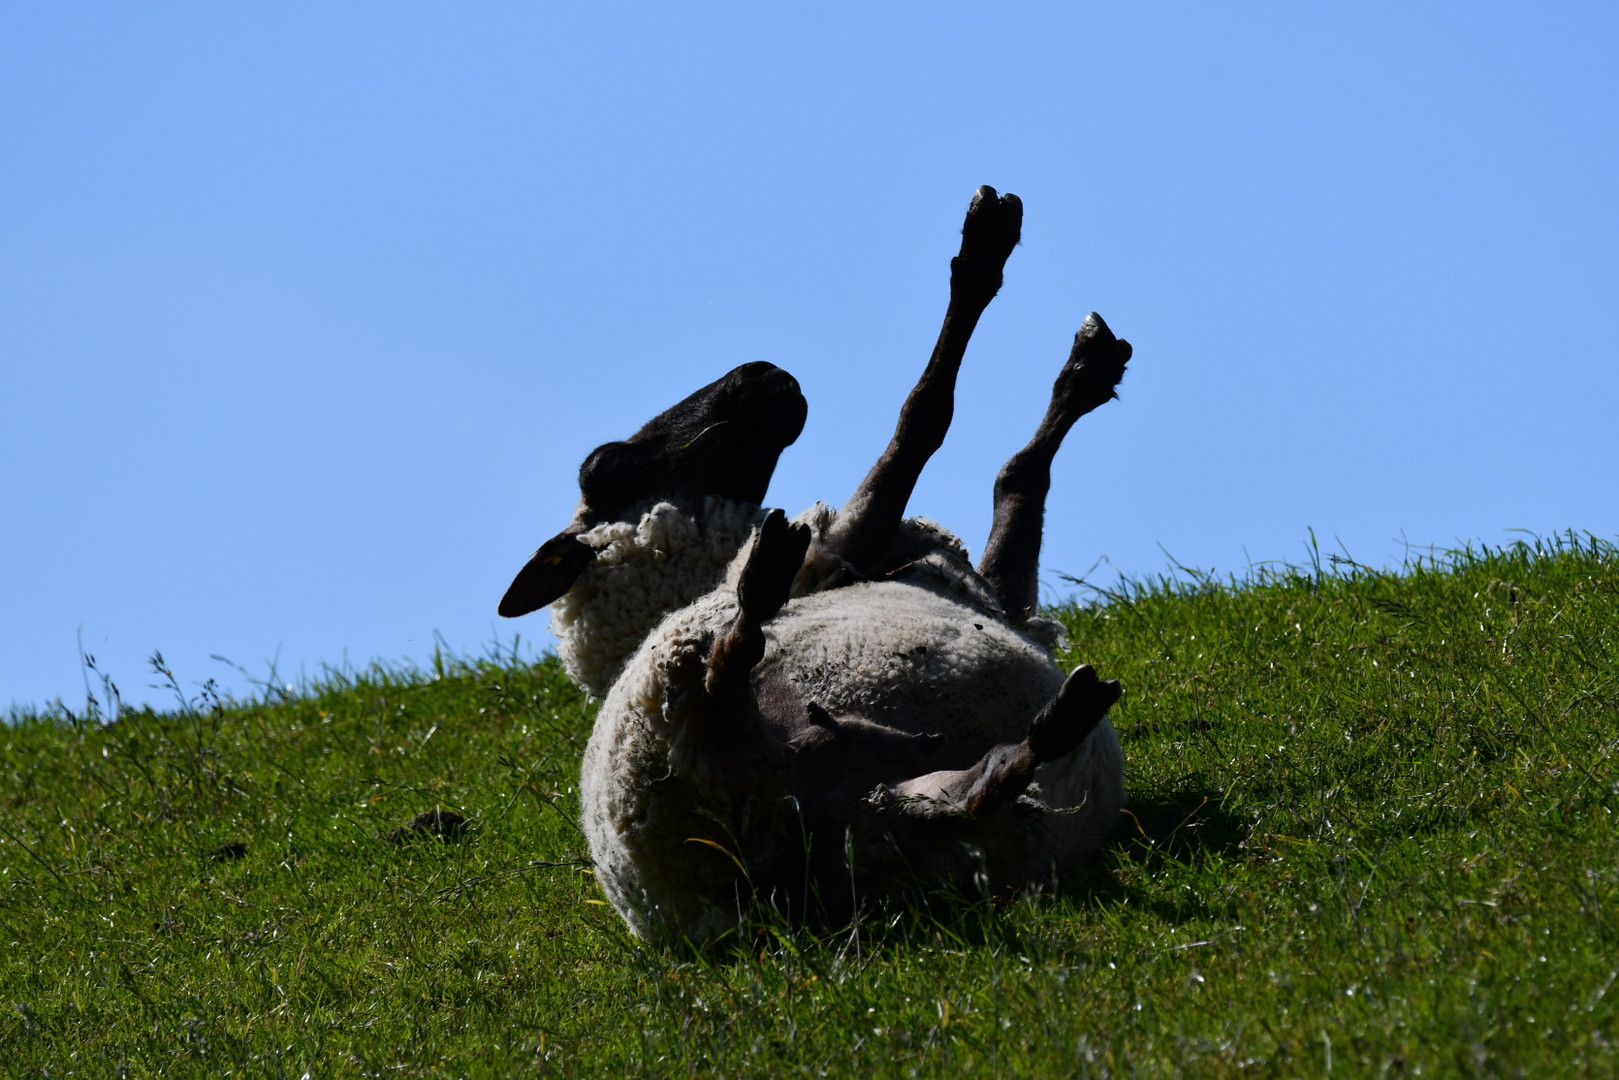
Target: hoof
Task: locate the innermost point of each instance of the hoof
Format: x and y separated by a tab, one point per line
1080	705
1095	367
778	552
992	229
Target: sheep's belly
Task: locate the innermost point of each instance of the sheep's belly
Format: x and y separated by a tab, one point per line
910	658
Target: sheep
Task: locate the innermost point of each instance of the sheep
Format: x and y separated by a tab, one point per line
834	711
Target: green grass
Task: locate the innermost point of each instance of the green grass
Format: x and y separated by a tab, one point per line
1371	833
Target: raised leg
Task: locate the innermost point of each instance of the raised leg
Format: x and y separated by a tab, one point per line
868	521
778	552
968	830
1001	774
1011	562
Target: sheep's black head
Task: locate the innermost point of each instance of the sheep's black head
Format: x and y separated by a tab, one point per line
723	441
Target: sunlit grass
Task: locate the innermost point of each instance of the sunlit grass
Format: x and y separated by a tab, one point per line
1371	833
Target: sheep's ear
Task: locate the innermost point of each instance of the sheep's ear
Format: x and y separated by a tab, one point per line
550	573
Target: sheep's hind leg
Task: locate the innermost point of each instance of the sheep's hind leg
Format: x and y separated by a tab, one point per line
1003	773
868	521
1011	562
778	552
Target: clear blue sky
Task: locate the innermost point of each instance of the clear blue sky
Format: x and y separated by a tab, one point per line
308	312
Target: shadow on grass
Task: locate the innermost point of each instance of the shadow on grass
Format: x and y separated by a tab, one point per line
1182	825
1157	829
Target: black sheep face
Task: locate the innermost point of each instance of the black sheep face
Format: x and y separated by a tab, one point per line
723	441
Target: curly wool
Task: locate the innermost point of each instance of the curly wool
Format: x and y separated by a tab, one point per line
667	559
643	570
927	649
924	554
909	658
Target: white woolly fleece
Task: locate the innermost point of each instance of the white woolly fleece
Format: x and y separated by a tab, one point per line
928	651
643	571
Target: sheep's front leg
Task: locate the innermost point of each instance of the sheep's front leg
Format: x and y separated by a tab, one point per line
868	521
1004	772
1011	562
778	552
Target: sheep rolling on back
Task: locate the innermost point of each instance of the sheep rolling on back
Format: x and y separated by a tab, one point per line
840	709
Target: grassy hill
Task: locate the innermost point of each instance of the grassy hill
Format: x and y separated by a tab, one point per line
1372	832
